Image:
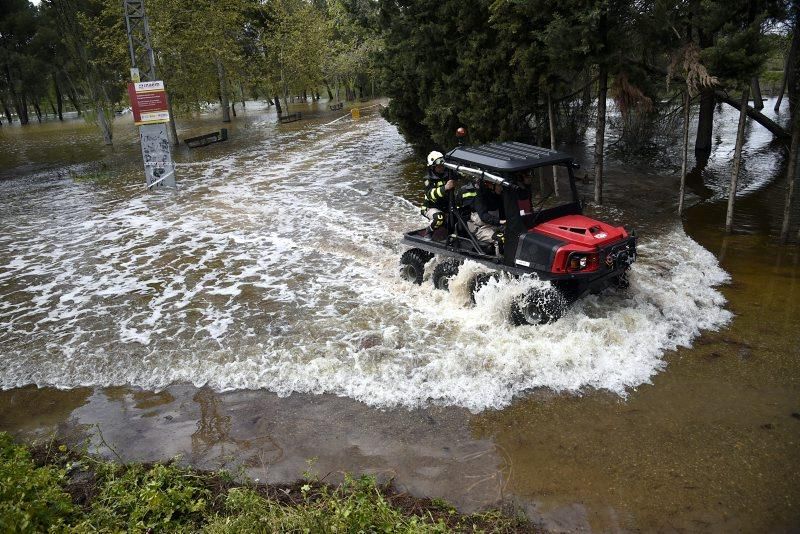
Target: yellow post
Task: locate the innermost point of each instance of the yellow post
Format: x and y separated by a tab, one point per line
355	113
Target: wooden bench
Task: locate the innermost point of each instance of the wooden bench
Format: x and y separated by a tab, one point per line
336	107
290	117
207	139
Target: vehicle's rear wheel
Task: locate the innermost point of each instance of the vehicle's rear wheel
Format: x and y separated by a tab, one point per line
480	280
539	306
412	264
444	273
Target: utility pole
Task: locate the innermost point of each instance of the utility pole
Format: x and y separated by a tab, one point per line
148	99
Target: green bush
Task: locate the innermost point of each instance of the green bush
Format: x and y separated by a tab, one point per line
165	498
31	498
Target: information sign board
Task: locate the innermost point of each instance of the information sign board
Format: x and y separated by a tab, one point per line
148	102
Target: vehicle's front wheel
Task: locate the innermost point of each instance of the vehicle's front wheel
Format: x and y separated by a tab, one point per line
539	306
621	281
412	264
444	273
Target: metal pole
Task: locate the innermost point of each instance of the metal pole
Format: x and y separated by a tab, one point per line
159	168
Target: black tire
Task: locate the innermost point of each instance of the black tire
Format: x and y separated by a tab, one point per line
480	280
412	264
444	272
539	306
621	281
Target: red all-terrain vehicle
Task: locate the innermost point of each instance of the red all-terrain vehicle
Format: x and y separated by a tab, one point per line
574	253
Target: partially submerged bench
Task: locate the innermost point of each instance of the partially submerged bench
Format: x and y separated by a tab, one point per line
290	117
336	107
207	139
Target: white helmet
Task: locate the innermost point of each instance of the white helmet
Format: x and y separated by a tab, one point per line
433	156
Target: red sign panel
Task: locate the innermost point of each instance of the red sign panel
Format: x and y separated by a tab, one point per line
148	102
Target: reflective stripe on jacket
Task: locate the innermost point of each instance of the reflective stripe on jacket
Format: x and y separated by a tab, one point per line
435	194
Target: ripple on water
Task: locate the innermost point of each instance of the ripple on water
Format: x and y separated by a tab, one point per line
275	267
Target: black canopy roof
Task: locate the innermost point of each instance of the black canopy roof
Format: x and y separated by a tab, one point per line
509	156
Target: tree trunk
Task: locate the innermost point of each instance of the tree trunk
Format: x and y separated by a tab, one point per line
7	111
277	104
328	88
337	91
172	130
686	113
599	142
586	96
105	127
791	177
59	99
552	120
38	111
233	108
760	118
18	101
22	109
241	91
758	103
737	161
783	82
787	68
223	93
705	125
793	89
73	99
13	94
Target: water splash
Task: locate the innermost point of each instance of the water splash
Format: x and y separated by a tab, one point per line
276	267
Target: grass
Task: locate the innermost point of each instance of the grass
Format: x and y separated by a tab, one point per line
51	488
96	173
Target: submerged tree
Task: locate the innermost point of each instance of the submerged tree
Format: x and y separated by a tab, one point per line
89	32
696	77
19	76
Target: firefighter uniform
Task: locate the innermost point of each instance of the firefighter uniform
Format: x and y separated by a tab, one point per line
487	211
435	205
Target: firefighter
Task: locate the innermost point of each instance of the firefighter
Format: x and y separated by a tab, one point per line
437	183
488	214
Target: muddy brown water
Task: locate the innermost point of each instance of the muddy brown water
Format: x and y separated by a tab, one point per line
167	338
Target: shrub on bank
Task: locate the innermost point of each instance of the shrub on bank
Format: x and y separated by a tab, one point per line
51	488
32	498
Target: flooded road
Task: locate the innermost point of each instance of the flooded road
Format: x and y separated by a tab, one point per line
254	317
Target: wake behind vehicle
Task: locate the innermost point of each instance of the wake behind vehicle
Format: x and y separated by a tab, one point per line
575	254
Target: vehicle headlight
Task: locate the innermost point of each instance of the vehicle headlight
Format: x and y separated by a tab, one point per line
579	261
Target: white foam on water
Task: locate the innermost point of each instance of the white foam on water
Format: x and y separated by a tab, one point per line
276	267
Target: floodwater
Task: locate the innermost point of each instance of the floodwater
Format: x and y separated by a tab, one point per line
254	319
